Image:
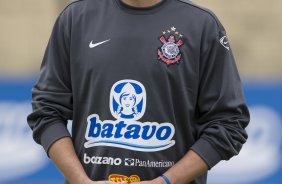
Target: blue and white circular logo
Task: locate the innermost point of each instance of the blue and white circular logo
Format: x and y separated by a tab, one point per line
128	100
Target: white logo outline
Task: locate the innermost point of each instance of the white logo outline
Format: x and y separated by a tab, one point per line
223	41
92	45
129	162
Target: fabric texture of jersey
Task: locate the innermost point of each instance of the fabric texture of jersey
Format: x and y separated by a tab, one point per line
142	87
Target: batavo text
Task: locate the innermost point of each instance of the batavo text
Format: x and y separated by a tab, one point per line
133	135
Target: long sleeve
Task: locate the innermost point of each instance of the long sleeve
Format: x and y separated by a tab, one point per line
221	110
52	94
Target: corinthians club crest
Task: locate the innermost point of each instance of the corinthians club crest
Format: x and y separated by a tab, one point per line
170	52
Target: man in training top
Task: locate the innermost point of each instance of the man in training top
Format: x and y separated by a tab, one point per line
151	87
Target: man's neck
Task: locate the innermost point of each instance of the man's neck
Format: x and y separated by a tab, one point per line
141	3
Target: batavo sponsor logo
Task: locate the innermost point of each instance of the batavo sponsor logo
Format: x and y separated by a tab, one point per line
146	137
122	178
127	105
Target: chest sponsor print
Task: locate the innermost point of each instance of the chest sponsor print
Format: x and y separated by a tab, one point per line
128	105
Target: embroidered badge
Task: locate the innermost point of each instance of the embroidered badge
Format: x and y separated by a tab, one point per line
170	52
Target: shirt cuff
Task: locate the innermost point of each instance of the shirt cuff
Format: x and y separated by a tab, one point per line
207	152
53	133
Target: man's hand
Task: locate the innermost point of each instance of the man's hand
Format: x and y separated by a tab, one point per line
187	169
63	155
158	180
184	171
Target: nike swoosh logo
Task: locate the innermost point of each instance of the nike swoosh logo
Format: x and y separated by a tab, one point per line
92	45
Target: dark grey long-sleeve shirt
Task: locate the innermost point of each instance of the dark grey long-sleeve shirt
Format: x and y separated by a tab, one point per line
142	86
